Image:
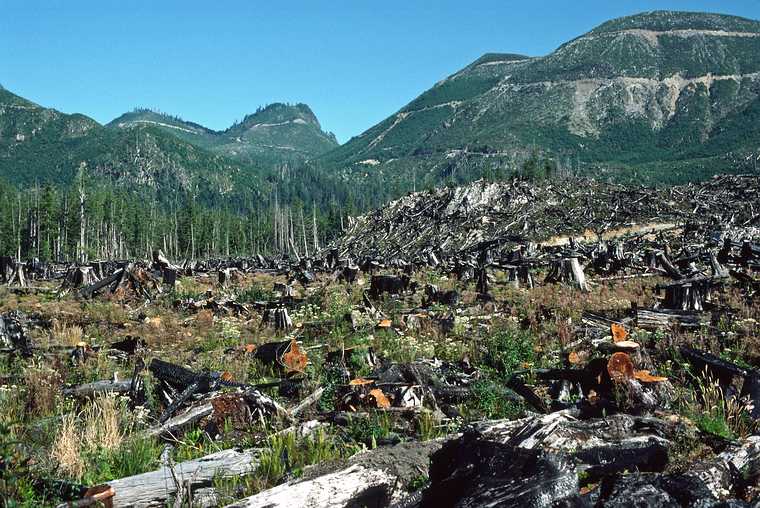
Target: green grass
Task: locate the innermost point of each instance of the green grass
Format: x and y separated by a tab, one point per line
254	293
137	455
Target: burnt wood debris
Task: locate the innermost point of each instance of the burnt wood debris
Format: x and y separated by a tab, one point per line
599	424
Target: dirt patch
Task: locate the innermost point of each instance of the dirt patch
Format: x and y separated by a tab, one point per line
591	236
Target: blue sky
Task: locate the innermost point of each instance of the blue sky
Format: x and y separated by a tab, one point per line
354	62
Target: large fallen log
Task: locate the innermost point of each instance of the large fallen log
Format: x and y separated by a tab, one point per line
157	487
536	461
355	486
652	319
711	482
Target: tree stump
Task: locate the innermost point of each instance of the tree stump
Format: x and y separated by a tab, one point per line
570	271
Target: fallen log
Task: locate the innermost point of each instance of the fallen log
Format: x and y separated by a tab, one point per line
711	482
155	488
308	401
354	486
652	319
98	387
174	425
536	461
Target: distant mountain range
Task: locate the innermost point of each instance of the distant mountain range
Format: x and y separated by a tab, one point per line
155	150
667	96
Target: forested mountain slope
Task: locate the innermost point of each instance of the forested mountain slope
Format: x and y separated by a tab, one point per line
672	95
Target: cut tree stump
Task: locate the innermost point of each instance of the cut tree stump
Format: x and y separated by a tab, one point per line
687	294
78	277
17	277
570	271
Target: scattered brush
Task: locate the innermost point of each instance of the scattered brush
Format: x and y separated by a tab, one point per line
726	417
42	390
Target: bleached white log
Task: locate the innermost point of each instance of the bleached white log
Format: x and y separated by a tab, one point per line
156	487
333	490
308	401
106	386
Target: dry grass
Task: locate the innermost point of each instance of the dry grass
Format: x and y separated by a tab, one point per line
204	319
102	424
719	412
97	427
66	450
64	334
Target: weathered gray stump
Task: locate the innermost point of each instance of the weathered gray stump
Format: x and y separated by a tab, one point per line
280	319
570	271
18	278
688	294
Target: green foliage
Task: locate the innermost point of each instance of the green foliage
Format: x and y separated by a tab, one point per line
507	350
370	429
287	454
16	478
536	169
489	401
714	423
417	483
254	293
677	20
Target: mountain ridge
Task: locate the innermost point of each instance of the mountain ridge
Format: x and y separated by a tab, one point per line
278	127
628	92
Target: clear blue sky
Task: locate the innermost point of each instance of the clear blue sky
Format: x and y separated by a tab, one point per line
354	62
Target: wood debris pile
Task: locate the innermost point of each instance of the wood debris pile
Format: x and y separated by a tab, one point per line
452	221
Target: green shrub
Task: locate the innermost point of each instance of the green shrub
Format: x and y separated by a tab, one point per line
507	350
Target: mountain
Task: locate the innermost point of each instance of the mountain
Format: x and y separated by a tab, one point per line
669	95
275	133
42	145
664	96
158	152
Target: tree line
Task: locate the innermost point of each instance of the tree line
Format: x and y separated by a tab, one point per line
87	220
